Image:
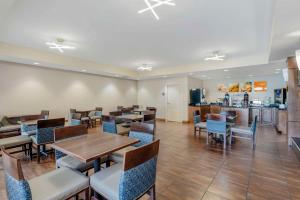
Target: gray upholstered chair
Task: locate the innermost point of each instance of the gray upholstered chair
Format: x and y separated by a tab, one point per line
143	132
45	114
94	117
198	124
245	132
131	179
62	183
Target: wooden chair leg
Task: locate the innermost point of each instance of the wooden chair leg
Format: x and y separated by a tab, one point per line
230	138
87	194
224	141
153	193
30	151
38	153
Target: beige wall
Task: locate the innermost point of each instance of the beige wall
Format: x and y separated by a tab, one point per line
28	89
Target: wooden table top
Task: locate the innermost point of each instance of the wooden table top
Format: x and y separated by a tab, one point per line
93	146
131	117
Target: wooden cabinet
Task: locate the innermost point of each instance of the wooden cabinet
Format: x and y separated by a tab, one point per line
282	121
266	115
204	110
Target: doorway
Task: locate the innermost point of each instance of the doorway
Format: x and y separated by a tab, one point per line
173	102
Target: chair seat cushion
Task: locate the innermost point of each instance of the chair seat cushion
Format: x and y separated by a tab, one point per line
118	156
28	133
73	163
85	119
10	128
122	130
106	182
15	141
201	125
58	184
242	130
95	117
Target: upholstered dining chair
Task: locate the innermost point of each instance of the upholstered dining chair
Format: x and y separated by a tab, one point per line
198	124
248	133
216	124
144	132
152	109
62	183
62	160
28	130
45	133
109	125
119	108
94	117
231	117
135	106
45	114
129	180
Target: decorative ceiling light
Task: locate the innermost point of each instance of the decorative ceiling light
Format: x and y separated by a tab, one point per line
216	56
145	67
156	3
59	45
298	58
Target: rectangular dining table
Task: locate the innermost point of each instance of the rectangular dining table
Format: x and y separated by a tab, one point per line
92	147
131	117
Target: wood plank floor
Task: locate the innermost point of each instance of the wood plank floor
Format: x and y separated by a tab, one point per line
188	169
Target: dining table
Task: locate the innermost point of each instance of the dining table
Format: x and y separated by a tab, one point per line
131	117
140	111
92	147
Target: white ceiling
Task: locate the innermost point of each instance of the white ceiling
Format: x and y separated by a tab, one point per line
110	32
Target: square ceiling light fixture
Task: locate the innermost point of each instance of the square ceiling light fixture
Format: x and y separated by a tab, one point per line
154	4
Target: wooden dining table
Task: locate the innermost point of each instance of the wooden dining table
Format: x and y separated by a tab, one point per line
92	147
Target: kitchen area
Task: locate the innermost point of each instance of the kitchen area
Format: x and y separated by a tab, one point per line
271	111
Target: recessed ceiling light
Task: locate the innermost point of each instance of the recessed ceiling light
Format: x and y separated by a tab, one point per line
216	56
36	63
277	72
145	67
203	76
83	70
228	77
278	69
191	74
59	45
226	70
250	75
116	75
165	76
156	3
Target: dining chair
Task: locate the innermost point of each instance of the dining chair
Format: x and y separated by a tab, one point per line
63	160
94	116
198	124
119	108
129	180
28	130
62	183
45	114
151	109
75	119
143	132
45	133
135	106
216	124
231	117
243	132
109	124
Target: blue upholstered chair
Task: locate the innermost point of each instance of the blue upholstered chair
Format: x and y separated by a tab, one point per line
143	132
109	124
245	132
129	180
75	119
62	160
45	133
28	130
58	184
198	124
216	125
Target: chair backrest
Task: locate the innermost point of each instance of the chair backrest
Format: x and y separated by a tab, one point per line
115	113
109	124
216	123
229	114
99	109
197	119
16	186
45	113
69	132
72	110
119	108
139	171
127	110
253	125
144	132
149	118
135	106
45	129
196	112
152	109
76	116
